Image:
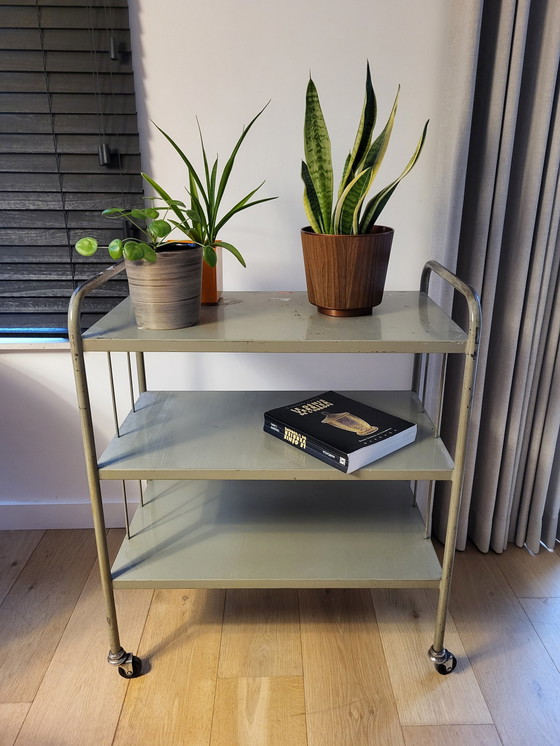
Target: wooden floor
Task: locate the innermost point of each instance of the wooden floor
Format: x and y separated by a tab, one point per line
321	668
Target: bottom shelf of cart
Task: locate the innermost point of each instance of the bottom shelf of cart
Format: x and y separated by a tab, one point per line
257	534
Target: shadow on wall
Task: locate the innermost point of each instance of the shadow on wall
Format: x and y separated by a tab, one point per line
41	455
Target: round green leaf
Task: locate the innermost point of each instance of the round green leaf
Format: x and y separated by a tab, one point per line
115	248
133	251
140	214
86	246
159	228
151	212
149	254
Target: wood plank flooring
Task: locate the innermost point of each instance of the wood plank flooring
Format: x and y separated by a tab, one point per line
275	668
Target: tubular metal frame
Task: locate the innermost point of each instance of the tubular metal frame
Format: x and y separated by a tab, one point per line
117	655
444	661
437	653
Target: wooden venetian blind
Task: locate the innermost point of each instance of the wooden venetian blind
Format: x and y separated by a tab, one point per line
68	149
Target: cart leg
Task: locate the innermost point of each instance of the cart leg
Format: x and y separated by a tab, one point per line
129	665
443	660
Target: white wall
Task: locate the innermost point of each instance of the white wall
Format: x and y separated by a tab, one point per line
222	61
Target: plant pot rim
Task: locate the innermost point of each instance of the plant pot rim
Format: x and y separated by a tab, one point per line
179	246
377	229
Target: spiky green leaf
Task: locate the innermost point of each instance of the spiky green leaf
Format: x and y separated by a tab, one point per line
171	203
192	171
317	148
243	204
363	137
229	247
348	206
229	164
377	203
310	201
376	153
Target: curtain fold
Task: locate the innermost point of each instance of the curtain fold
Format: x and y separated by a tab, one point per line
508	250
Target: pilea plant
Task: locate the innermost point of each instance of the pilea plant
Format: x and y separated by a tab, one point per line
147	221
349	216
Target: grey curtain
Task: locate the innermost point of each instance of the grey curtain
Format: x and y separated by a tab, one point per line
498	228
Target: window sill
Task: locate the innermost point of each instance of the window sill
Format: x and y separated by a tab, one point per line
33	344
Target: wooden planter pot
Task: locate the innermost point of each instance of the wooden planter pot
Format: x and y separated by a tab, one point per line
166	294
346	274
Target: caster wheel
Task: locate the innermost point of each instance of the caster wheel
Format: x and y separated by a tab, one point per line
448	666
133	671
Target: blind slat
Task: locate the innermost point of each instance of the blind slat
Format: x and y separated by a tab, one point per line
61	96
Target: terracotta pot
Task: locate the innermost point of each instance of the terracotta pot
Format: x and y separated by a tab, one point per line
346	274
166	294
212	281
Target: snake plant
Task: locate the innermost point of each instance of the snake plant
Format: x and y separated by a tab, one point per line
349	216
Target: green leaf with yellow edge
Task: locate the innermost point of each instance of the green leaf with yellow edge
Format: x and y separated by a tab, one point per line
377	203
348	206
354	164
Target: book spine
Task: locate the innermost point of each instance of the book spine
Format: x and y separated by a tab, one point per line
298	439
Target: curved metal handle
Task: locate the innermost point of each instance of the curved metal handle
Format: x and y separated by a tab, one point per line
75	305
470	295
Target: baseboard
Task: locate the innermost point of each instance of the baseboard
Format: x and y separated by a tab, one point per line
21	516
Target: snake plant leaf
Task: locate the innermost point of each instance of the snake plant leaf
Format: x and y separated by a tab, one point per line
356	194
317	148
377	203
232	248
355	164
345	175
229	164
348	206
310	201
376	152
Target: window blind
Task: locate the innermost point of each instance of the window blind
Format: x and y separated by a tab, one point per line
68	149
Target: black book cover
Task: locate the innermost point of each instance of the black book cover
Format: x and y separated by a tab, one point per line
341	431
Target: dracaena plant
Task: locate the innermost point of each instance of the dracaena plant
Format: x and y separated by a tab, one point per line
203	219
350	215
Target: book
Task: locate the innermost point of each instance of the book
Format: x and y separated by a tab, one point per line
338	430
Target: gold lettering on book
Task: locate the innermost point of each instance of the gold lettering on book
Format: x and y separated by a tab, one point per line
295	438
312	406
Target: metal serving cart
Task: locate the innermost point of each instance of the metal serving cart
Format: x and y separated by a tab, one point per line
225	505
